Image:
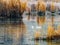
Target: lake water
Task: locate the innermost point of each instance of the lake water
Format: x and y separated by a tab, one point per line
23	34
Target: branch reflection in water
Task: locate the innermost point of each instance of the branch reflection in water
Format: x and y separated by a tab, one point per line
14	33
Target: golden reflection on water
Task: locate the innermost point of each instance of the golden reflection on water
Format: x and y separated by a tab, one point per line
53	43
46	43
15	31
41	20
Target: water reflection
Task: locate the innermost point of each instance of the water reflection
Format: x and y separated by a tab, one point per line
21	34
46	43
13	34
